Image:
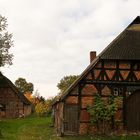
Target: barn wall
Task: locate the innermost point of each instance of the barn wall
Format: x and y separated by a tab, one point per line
58	120
106	91
86	97
21	109
13	105
27	110
11	102
124	68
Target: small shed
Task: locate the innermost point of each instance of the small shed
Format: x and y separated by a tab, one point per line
13	104
115	71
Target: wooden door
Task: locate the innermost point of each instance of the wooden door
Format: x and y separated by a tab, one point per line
71	119
133	112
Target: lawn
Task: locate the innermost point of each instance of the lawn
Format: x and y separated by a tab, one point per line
39	128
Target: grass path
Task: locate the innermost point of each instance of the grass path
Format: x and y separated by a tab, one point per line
32	128
38	128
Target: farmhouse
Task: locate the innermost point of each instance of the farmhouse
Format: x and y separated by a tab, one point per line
13	104
115	71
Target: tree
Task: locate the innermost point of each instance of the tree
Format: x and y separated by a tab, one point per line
65	82
41	109
23	86
45	107
49	103
5	43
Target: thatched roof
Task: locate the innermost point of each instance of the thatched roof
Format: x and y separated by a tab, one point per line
127	45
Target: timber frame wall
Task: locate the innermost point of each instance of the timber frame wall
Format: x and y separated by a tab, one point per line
107	77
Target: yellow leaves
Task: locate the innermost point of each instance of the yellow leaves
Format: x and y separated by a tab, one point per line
42	108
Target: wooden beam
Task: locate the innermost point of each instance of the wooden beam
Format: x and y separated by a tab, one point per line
124	108
85	121
75	95
124	69
79	103
131	83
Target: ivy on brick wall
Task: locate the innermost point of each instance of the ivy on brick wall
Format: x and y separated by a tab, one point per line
102	112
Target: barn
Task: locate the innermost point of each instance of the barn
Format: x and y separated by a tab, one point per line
115	71
13	104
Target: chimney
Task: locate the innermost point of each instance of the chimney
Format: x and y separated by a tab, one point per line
92	55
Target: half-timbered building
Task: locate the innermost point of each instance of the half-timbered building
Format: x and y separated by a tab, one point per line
115	71
13	104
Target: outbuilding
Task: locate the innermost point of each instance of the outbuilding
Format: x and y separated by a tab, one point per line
13	104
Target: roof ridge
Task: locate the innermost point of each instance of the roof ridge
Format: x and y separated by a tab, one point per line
135	21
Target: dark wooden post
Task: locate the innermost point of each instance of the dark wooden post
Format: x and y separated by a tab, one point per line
79	103
124	108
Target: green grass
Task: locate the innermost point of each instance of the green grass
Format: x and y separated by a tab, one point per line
38	128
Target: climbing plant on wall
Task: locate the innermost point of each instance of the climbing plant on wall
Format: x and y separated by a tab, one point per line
102	112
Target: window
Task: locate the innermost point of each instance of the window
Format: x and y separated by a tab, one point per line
2	107
117	91
136	66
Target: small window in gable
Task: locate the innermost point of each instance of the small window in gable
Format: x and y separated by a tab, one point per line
117	91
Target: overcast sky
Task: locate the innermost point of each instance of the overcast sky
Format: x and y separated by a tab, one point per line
53	38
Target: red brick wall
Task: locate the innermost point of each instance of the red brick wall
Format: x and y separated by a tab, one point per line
86	101
84	116
84	128
89	90
106	91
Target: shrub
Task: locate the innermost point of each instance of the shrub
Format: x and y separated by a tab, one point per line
101	113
